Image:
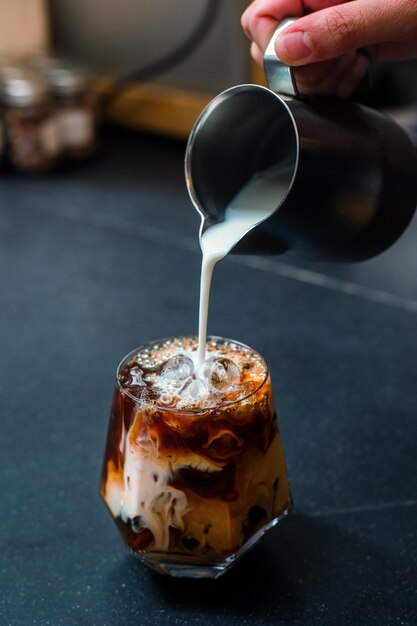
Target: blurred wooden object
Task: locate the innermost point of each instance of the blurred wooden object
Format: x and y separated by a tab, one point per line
160	110
164	110
23	27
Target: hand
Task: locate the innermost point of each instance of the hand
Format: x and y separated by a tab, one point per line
323	44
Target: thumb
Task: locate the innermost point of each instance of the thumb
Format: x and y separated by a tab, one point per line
337	30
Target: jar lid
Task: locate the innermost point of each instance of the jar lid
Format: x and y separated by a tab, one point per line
66	80
10	68
62	76
23	89
41	62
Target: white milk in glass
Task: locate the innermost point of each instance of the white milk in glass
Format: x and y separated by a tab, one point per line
259	199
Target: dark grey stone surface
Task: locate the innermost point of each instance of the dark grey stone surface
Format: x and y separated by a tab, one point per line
96	260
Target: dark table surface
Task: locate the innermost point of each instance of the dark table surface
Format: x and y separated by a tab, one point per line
96	260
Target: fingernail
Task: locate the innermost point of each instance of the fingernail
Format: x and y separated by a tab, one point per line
361	66
353	78
297	45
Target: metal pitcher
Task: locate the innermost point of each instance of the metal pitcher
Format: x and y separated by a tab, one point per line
352	184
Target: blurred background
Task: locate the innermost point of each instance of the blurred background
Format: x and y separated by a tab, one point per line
159	62
162	61
99	253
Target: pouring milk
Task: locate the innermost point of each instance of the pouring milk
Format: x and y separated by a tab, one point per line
259	199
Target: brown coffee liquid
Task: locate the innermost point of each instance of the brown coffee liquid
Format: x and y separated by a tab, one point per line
202	479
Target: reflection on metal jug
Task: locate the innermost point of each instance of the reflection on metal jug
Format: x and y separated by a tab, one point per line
351	171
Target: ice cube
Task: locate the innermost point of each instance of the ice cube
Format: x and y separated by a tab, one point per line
166	399
240	391
196	389
178	367
136	379
221	373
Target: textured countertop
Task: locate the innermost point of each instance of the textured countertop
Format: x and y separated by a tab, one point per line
95	261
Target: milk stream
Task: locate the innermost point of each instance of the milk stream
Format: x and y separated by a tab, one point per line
253	204
144	491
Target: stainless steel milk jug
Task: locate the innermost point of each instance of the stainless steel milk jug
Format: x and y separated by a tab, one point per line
352	188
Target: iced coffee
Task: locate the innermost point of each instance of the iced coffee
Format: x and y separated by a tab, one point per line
194	471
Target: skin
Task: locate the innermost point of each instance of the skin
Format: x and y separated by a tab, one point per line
323	44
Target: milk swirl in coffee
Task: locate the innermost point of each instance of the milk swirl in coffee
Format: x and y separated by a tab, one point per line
194	465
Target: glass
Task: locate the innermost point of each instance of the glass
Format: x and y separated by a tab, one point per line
73	100
191	490
32	133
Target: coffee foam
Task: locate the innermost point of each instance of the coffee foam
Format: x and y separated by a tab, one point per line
194	392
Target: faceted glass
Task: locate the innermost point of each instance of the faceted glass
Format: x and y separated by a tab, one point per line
192	490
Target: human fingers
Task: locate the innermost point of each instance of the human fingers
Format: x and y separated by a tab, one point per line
257	54
336	30
260	19
313	78
338	77
351	79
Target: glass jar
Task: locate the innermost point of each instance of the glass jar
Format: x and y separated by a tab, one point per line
2	138
31	128
74	105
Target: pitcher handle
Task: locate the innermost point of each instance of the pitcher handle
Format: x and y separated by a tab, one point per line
280	76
